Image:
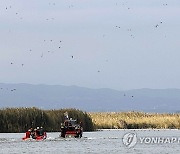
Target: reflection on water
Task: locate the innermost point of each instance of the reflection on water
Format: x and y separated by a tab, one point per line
106	141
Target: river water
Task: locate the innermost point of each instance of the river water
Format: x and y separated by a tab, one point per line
102	142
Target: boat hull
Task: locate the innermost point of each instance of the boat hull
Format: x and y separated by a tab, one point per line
38	138
65	133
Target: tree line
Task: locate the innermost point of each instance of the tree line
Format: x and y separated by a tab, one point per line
21	119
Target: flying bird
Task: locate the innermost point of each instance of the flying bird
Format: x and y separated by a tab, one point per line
118	27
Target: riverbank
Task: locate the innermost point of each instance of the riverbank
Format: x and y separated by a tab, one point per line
21	119
134	120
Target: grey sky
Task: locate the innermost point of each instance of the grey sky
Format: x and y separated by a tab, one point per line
118	44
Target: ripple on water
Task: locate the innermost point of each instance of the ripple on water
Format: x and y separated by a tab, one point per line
91	142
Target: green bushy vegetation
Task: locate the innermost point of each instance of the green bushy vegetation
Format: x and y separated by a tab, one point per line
21	119
135	120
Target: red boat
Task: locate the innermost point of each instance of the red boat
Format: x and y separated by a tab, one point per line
36	134
39	138
70	128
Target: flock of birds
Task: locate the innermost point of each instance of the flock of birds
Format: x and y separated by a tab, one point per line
43	53
31	50
59	44
8	89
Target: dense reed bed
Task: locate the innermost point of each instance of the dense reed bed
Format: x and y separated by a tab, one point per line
21	119
135	120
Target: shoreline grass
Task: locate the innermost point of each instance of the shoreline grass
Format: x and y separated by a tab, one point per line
135	120
21	119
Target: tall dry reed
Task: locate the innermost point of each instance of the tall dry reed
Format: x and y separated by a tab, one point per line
134	120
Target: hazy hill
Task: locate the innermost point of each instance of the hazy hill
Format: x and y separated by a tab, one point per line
56	96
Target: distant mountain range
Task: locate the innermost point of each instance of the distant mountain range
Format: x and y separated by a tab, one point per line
57	96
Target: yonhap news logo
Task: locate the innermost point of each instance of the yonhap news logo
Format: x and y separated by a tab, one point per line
131	139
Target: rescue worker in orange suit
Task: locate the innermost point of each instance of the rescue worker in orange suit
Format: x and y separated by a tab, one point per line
28	134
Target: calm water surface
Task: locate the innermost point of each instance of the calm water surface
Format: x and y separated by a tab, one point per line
106	141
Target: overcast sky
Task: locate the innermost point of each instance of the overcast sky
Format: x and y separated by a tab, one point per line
118	44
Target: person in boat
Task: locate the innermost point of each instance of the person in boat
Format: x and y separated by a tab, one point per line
41	131
28	133
33	134
66	123
38	132
81	124
66	117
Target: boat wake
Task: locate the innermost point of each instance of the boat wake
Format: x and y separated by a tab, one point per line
52	138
